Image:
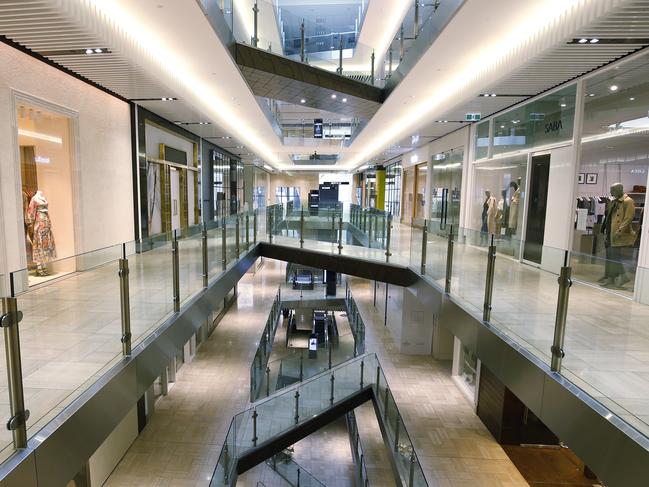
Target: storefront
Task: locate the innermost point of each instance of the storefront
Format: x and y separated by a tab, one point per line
542	184
168	176
65	170
393	189
223	182
446	188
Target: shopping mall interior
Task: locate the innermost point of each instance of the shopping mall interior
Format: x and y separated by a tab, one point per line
357	243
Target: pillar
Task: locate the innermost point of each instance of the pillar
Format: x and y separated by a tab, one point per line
380	188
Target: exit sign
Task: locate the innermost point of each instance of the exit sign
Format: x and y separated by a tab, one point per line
473	117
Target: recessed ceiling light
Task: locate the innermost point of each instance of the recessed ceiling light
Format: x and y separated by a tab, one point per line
594	40
493	94
613	87
563	105
89	51
583	41
632	98
591	94
502	126
333	96
302	100
344	100
98	51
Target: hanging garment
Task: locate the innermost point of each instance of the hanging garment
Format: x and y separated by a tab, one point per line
513	210
491	214
43	247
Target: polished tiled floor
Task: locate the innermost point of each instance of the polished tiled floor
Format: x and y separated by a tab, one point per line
181	444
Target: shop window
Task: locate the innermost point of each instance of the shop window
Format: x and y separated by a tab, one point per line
548	120
285	195
408	195
482	140
393	189
446	180
46	168
421	172
498	202
613	151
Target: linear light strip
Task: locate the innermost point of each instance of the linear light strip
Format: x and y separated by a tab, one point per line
38	135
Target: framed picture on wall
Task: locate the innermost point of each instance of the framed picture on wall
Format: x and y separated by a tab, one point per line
591	178
581	178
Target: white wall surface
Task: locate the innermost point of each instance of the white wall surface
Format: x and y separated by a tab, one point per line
103	206
559	216
110	452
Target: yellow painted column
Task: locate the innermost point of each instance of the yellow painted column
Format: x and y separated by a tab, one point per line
380	188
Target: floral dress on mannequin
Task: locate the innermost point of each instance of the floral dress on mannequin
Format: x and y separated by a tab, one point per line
43	246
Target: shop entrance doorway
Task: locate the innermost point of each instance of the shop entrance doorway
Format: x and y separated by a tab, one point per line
445	195
536	208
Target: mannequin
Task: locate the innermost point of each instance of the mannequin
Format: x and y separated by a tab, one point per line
619	237
44	248
513	207
501	218
488	214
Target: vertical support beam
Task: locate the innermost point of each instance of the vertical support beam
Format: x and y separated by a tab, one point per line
489	284
380	188
565	282
175	272
204	252
125	304
9	321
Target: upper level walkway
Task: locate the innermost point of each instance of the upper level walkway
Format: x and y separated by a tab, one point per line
72	326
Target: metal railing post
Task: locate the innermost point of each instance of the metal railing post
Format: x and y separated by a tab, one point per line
9	321
254	427
270	225
302	57
388	238
237	235
396	433
224	243
424	245
340	56
255	13
254	226
489	284
362	371
176	271
125	304
331	393
369	233
411	475
416	23
247	231
372	68
301	366
378	377
297	406
565	282
340	234
329	352
267	381
302	228
449	262
205	260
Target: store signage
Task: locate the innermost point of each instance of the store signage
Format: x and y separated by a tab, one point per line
317	128
473	116
42	160
553	126
313	344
